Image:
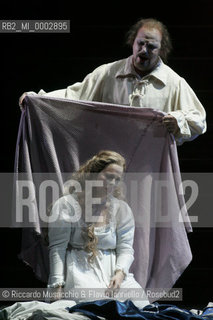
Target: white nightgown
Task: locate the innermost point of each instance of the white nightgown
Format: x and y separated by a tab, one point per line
69	264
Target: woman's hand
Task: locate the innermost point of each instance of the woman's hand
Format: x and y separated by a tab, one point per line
59	293
55	293
115	283
116	280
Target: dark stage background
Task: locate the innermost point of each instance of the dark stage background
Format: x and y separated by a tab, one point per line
97	36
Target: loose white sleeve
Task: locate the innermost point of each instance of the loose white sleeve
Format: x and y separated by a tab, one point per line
189	113
125	237
89	89
59	235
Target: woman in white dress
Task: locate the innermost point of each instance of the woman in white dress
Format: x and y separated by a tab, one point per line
94	248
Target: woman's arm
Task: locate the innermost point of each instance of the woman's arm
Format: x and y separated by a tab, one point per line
125	237
125	227
59	235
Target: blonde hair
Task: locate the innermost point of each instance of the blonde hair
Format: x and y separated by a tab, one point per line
95	165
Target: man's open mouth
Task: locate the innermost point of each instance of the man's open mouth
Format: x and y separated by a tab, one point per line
143	59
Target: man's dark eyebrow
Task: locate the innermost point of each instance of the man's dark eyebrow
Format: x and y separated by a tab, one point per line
148	39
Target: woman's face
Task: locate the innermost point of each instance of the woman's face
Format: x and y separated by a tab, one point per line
111	176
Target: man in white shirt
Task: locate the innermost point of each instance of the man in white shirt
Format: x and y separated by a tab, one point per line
144	80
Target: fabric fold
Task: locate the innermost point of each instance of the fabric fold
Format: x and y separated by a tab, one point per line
57	135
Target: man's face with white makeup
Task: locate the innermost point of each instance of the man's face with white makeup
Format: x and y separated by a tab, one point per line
146	49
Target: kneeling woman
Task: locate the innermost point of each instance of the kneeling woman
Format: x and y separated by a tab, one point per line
98	253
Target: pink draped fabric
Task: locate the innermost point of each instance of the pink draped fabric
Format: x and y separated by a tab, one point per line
57	135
